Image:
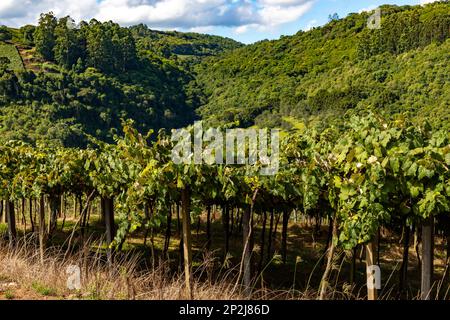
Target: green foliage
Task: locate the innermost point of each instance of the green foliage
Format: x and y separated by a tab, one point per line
371	172
319	74
67	48
10	52
92	75
362	168
9	294
405	30
42	289
5	34
27	35
44	36
181	46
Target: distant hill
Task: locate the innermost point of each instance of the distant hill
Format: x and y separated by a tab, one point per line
60	81
322	73
174	44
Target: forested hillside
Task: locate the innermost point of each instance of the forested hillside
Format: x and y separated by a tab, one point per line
84	79
359	189
404	66
60	81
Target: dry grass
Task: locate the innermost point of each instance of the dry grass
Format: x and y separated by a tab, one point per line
24	277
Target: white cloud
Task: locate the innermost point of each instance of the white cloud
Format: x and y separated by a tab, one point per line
368	9
427	1
176	14
206	29
311	24
280	12
21	12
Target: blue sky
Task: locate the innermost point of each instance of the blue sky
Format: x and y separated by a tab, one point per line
244	20
316	16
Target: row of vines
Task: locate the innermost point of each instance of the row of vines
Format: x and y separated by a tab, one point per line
370	173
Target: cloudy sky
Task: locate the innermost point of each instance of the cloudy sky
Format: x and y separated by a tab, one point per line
243	20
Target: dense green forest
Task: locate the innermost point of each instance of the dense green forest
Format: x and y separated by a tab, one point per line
363	177
402	67
83	79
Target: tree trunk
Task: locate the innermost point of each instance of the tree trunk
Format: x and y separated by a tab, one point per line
241	216
178	221
284	235
186	216
24	220
378	245
352	279
5	212
317	225
427	258
102	210
181	251
404	266
232	222
263	240
448	247
417	240
226	230
30	201
324	282
54	212
75	203
11	216
270	237
63	211
208	228
42	228
168	233
247	253
108	208
197	229
274	234
372	293
329	239
62	206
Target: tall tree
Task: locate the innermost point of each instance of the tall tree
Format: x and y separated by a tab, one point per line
44	36
68	48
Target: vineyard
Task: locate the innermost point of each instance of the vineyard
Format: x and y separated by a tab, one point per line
10	52
369	177
100	198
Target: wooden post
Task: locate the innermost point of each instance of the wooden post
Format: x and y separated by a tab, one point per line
330	254
102	210
226	229
372	293
186	218
270	237
427	258
11	216
5	214
404	266
208	228
108	214
42	228
30	202
168	233
284	235
263	241
55	210
247	242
